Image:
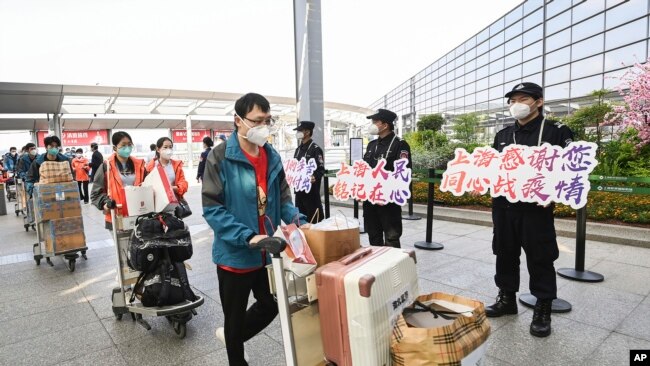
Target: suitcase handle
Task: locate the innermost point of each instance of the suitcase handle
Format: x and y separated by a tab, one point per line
356	256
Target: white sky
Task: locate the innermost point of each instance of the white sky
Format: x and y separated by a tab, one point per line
369	46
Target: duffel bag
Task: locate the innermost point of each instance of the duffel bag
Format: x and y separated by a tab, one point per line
159	225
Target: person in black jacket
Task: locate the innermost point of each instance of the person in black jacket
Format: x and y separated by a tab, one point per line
309	204
383	222
207	146
523	225
95	161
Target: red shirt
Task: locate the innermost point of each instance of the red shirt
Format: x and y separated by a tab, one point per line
260	164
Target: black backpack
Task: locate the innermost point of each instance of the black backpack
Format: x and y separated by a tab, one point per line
167	284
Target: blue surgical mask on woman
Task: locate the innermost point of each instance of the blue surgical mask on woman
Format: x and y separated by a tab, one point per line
54	151
125	151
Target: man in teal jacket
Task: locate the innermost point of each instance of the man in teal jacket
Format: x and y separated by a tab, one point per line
245	196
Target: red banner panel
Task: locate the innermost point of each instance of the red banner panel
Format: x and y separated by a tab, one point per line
78	138
180	136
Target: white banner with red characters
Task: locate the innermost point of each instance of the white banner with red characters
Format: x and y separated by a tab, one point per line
299	173
377	185
540	174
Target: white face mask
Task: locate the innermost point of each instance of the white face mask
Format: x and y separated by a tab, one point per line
520	110
258	134
33	152
373	130
166	153
79	155
300	135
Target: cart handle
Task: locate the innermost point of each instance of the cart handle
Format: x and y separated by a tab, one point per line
273	245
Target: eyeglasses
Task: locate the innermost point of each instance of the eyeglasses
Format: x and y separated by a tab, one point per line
269	121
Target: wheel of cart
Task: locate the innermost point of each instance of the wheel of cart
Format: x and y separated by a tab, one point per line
178	315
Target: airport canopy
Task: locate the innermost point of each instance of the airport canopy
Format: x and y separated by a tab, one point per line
27	106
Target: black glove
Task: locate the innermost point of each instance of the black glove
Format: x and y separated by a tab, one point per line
273	245
111	204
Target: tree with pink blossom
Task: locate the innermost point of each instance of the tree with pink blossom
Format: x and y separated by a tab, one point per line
635	90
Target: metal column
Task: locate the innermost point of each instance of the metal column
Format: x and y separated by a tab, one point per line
188	127
309	65
54	125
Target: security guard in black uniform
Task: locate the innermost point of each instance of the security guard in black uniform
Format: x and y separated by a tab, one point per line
384	220
309	203
526	225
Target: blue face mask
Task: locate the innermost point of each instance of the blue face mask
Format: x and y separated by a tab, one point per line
53	151
125	151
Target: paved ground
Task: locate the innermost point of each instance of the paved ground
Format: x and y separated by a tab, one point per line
51	316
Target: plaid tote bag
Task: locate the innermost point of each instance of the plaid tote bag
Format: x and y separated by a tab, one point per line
55	172
439	329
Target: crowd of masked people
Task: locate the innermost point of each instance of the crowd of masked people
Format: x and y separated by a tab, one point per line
26	163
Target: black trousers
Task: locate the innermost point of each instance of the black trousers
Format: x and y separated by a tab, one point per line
241	324
383	222
83	194
534	231
309	203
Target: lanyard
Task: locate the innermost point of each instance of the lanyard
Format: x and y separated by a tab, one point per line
306	151
389	146
539	138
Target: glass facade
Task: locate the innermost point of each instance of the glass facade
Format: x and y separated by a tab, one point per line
570	47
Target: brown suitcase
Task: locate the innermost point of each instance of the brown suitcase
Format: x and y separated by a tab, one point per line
360	297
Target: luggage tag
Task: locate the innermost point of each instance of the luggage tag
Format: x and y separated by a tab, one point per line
59	196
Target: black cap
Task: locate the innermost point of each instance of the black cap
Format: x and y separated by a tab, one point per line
531	89
305	125
384	115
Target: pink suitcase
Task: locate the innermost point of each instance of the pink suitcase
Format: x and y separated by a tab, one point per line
360	297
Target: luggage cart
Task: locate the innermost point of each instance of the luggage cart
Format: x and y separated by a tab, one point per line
11	186
21	198
298	309
178	315
29	218
69	256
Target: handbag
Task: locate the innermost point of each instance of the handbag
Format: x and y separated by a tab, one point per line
55	172
440	329
182	210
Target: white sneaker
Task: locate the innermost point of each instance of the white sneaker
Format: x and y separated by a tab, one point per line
221	336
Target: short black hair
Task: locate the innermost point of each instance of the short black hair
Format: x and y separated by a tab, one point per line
12	148
30	145
208	141
152	147
118	136
49	140
247	103
93	145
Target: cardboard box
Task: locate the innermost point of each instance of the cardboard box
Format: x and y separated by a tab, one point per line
139	201
56	201
62	235
57	210
56	192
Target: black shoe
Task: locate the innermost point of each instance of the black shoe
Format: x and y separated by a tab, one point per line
541	324
506	304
